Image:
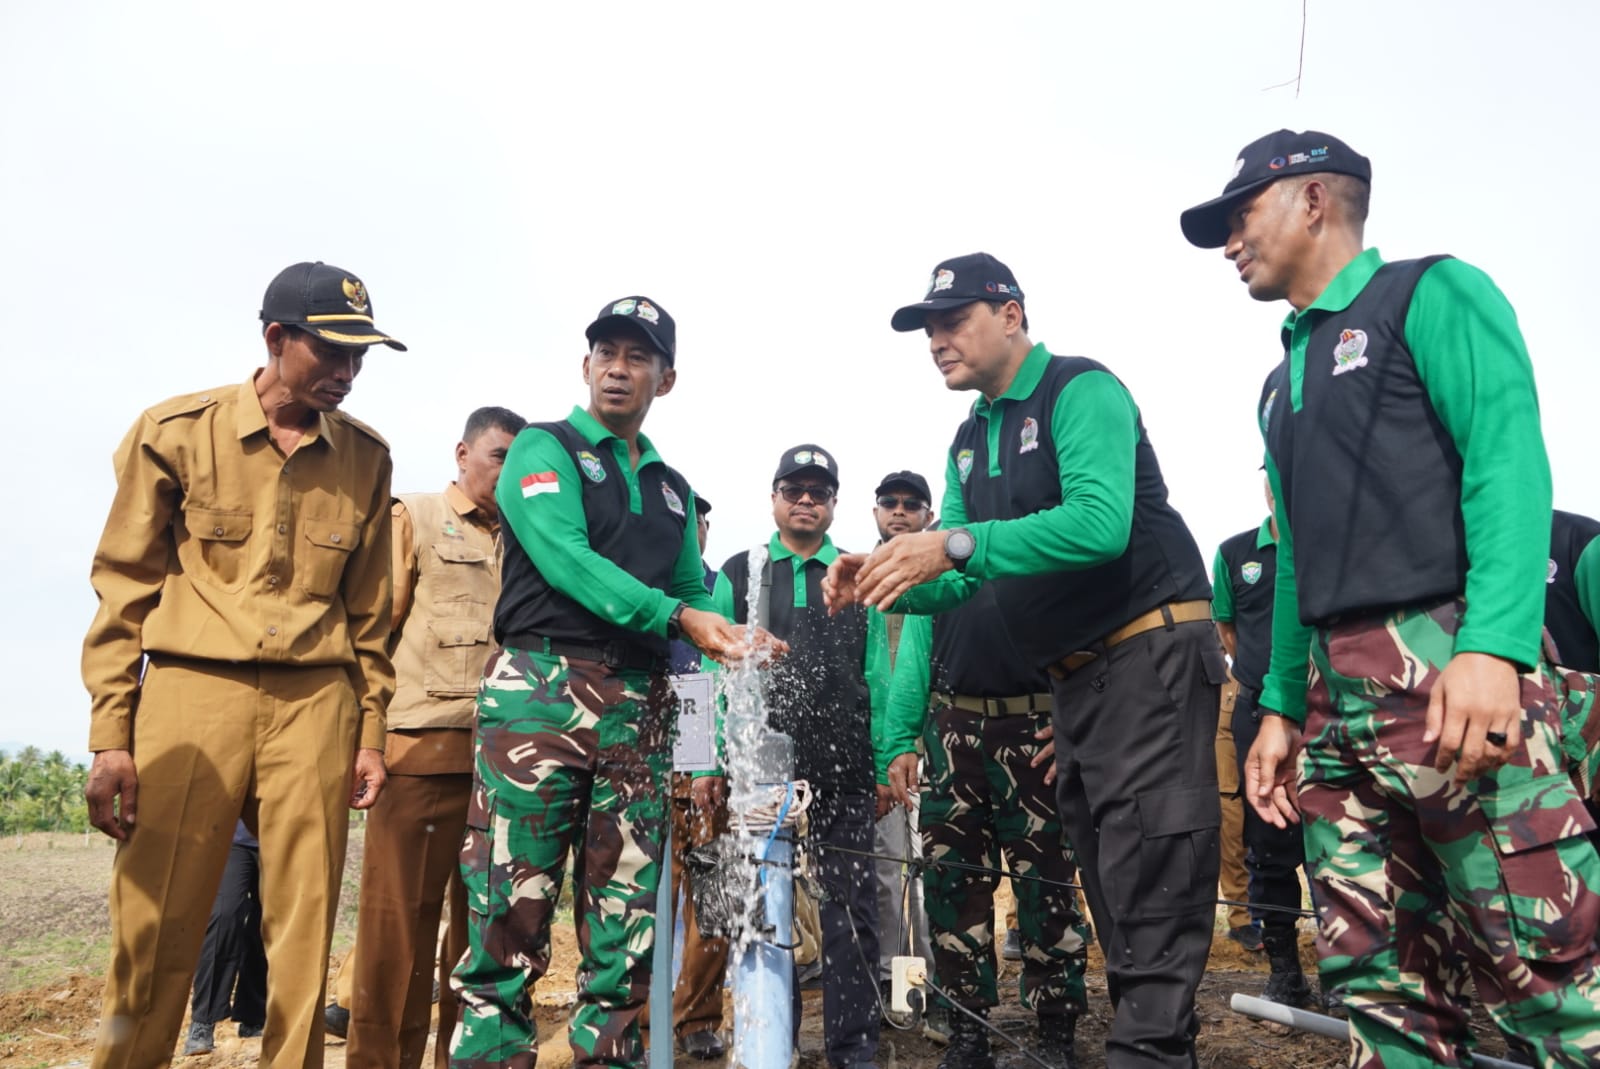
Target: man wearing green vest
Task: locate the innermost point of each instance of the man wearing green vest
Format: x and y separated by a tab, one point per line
1055	499
446	580
1413	506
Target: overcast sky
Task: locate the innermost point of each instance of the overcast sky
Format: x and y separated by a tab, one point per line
779	177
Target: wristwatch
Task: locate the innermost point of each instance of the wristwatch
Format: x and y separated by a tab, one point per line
675	624
958	546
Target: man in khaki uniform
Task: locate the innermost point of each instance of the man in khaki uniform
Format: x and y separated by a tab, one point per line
446	580
238	666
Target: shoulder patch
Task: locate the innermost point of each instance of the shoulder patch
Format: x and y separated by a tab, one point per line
187	404
363	428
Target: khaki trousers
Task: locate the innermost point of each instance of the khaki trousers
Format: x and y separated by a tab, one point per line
411	862
213	742
1235	880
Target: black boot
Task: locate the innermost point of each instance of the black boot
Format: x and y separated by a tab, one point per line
969	1043
1287	984
1057	1032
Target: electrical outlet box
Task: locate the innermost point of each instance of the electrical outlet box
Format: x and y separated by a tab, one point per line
905	973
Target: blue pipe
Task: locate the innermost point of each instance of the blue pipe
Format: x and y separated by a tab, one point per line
763	983
661	1030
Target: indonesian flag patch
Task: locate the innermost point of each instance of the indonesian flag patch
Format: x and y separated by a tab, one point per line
540	482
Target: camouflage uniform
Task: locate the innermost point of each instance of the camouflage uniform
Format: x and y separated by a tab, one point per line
1411	869
985	799
571	756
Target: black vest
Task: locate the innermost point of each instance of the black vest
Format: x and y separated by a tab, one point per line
817	694
645	545
972	654
1053	614
1370	479
1252	571
1573	632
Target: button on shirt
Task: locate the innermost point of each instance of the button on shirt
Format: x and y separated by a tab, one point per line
219	547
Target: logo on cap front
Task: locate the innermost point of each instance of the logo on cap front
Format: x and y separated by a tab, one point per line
807	457
647	312
1277	163
624	308
1238	167
943	279
355	295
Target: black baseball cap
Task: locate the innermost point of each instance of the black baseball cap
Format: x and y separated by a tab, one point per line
910	480
958	281
645	315
702	507
807	457
1282	154
324	300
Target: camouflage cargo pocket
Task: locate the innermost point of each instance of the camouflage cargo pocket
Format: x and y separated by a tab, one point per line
1580	726
477	853
1546	863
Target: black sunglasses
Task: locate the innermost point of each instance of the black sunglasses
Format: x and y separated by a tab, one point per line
820	494
912	504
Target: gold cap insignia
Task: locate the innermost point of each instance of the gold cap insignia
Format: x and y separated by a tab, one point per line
355	295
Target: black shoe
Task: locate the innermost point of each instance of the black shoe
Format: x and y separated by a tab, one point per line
704	1045
336	1019
250	1031
1011	949
1247	936
201	1040
1288	987
936	1026
969	1044
1057	1033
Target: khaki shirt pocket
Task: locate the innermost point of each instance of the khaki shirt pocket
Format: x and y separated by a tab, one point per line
218	547
454	661
460	575
329	545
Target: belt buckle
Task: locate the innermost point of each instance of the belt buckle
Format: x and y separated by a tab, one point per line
611	654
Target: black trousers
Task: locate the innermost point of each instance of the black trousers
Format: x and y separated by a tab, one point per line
1273	855
231	980
848	913
1137	786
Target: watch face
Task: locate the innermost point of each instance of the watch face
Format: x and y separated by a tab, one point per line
959	545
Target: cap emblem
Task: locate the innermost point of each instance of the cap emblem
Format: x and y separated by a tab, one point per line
1351	352
964	465
1238	166
943	279
807	457
355	295
624	308
647	312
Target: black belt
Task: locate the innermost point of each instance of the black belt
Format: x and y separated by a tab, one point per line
613	654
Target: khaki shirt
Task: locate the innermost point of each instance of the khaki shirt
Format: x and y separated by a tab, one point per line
218	547
405	545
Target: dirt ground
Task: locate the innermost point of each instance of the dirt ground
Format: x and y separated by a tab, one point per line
53	932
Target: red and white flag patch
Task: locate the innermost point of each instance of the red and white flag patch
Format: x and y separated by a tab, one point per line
540	482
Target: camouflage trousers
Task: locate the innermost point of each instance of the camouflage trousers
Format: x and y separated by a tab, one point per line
1420	882
985	800
570	757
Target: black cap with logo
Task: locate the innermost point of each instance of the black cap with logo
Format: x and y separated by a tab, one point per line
643	315
1282	154
958	281
326	301
906	480
807	457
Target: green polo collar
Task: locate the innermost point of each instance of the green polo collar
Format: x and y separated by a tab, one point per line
777	551
595	432
1264	536
1345	288
1023	384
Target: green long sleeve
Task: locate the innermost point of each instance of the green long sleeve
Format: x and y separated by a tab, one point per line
1221	590
909	690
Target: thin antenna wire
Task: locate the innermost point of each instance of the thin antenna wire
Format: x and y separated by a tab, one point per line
1301	69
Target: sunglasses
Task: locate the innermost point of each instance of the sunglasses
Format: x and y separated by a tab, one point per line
910	504
819	494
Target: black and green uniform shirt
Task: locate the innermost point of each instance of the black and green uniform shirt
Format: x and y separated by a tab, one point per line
1405	409
601	550
970	655
819	693
1242	579
1061	490
1572	590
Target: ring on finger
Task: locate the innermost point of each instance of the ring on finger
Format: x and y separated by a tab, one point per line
1495	738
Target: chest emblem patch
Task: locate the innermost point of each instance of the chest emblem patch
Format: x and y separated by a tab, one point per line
1550	573
450	531
592	467
674	502
1251	572
1351	352
1030	435
1266	410
964	465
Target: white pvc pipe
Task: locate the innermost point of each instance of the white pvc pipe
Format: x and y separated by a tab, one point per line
1321	1025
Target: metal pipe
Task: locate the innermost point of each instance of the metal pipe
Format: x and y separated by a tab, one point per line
661	1023
1321	1025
